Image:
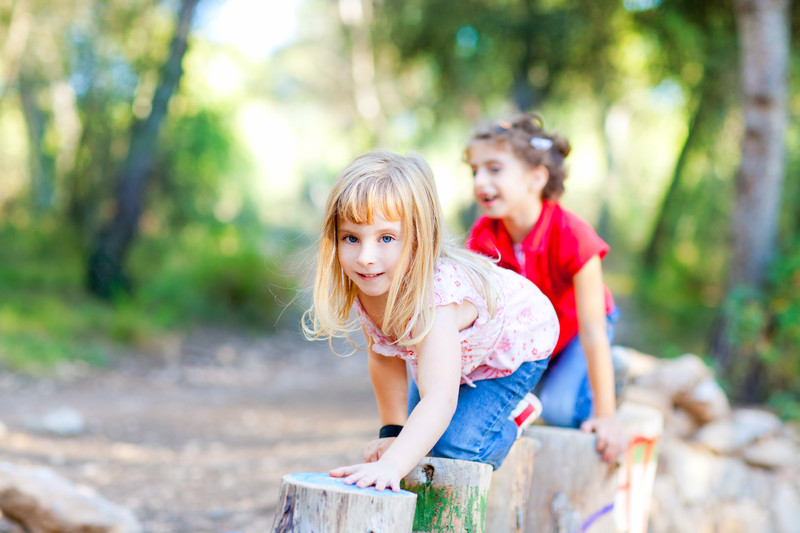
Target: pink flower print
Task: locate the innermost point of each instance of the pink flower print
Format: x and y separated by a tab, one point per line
503	345
457	283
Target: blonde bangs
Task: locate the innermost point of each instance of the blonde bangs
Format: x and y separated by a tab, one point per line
361	200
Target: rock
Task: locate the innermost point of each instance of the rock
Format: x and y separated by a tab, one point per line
691	466
706	401
772	453
44	502
743	427
647	396
62	422
786	508
638	363
679	423
675	376
742	516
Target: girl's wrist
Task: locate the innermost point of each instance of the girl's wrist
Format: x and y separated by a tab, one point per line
389	430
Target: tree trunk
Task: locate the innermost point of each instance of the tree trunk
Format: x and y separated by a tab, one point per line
573	489
106	272
42	164
19	29
356	16
511	489
318	503
663	221
523	94
763	27
451	495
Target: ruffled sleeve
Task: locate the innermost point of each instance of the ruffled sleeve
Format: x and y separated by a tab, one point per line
453	285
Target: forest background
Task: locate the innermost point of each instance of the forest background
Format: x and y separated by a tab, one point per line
164	163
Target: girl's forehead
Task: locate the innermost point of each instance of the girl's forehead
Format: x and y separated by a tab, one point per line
485	149
370	216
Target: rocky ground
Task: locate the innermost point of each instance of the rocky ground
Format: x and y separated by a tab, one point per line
194	436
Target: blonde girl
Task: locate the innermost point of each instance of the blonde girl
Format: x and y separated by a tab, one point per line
519	173
476	337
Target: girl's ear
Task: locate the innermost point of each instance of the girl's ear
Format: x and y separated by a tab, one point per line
539	177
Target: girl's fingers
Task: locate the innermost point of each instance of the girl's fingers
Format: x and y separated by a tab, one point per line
342	471
365	482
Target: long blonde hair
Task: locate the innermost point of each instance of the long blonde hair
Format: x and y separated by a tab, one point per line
395	187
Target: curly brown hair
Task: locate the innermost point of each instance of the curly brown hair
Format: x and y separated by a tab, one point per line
529	141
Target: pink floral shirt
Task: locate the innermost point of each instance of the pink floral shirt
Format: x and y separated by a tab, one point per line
524	328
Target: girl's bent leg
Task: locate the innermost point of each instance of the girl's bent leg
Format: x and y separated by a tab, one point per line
565	390
480	429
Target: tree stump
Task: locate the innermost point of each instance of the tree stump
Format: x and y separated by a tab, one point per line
451	495
511	488
644	426
573	489
318	503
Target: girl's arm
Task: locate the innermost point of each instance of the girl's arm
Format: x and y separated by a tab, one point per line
590	300
439	377
390	383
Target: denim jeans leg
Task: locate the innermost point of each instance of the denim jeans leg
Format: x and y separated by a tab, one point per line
480	429
565	390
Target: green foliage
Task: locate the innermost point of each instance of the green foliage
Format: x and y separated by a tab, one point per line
768	325
679	308
218	274
47	318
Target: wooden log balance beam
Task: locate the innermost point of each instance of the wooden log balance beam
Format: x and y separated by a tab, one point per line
451	495
511	488
643	425
573	489
318	503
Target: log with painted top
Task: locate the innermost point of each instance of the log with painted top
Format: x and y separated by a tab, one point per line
573	489
643	425
451	495
318	503
511	488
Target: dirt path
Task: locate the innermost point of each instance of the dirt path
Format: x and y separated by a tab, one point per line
198	441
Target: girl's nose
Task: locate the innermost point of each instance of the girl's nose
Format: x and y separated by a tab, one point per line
479	179
367	255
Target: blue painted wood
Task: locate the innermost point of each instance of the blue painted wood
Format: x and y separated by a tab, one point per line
323	479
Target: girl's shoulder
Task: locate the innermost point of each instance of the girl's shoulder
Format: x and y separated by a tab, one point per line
569	225
452	283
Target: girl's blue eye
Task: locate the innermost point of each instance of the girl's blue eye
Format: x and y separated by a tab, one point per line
387	239
350	239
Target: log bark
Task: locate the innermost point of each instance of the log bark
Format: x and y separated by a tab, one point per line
318	503
451	495
511	488
573	489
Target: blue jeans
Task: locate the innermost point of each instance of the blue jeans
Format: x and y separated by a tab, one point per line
480	429
565	390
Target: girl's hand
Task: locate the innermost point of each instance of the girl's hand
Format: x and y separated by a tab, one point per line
375	449
610	437
380	474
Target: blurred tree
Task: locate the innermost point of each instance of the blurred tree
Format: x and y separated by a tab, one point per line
697	46
356	19
19	28
481	52
764	40
106	270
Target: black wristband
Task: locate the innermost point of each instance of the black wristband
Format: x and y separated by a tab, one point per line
389	430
